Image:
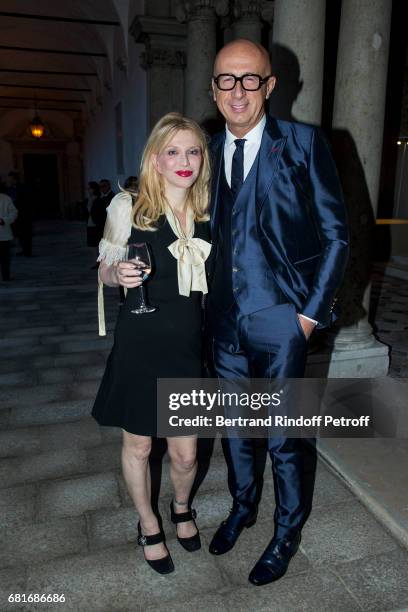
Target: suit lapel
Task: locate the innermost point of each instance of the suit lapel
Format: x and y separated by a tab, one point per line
272	145
217	165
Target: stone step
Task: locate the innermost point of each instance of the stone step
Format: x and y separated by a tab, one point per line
62	319
69	343
43	542
31	331
48	413
98	344
33	440
40	394
74	337
43	466
53	360
51	375
74	496
22	378
122	579
87	327
30	351
90	372
111	512
23	341
16	343
18	506
37	454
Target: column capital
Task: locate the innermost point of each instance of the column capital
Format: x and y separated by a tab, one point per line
157	56
247	9
246	17
145	29
200	9
164	39
267	11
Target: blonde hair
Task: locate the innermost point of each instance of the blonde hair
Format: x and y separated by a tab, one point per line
150	202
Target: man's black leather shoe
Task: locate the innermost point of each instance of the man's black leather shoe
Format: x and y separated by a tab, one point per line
274	561
228	532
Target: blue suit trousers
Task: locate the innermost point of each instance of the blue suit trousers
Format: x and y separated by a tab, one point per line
269	343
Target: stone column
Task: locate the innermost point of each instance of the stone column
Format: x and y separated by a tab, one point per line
165	81
201	48
401	175
358	119
164	60
297	59
247	20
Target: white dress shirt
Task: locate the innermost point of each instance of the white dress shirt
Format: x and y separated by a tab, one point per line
8	212
251	147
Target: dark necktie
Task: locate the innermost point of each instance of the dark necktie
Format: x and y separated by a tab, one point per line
237	169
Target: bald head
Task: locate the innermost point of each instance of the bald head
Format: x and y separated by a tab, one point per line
241	104
246	50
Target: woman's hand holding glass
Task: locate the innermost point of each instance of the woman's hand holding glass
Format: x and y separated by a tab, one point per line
128	275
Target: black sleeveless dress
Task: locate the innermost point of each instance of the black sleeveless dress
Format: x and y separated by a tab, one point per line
166	343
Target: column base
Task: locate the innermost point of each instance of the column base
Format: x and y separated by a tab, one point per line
367	362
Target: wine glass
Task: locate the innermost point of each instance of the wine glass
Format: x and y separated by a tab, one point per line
139	256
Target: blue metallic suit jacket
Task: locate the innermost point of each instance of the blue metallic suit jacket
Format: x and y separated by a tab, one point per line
300	214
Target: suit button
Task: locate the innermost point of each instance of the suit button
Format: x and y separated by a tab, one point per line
235	269
235	289
234	231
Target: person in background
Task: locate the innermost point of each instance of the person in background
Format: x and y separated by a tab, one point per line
8	214
23	227
97	216
132	184
106	192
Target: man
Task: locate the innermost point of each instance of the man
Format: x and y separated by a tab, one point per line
132	183
8	214
106	192
281	244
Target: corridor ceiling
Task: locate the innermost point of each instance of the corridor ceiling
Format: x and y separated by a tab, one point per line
61	54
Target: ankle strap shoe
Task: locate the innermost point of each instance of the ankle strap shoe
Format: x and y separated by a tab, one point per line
192	543
164	565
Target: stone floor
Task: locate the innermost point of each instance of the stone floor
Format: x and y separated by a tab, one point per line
66	522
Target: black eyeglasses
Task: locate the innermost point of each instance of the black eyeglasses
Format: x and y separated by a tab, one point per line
249	82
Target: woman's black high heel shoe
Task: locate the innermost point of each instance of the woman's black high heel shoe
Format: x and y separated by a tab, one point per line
165	564
192	543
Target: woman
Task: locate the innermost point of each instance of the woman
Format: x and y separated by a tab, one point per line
169	214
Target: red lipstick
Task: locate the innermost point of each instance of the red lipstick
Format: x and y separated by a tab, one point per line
184	173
